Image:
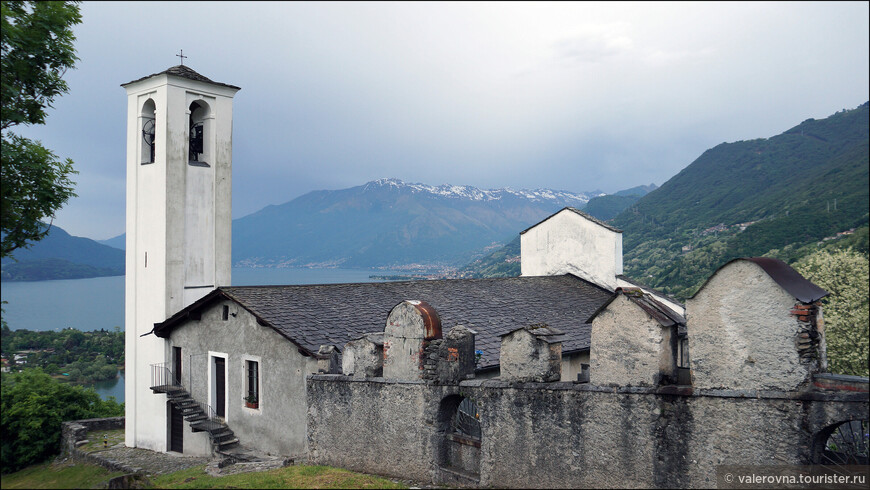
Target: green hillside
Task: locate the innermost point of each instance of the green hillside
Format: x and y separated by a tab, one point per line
770	196
608	207
785	196
62	256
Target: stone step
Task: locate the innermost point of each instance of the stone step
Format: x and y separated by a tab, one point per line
207	425
222	432
223	438
225	444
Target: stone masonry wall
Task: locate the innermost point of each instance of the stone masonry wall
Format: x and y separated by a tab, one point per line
569	435
74	433
747	337
628	346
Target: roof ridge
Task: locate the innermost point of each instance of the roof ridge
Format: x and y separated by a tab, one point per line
420	281
182	71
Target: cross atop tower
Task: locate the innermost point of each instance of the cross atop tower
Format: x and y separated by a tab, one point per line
181	55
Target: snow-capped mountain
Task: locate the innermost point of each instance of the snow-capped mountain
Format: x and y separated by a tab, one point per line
390	223
475	194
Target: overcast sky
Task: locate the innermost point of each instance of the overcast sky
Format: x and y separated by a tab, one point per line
570	96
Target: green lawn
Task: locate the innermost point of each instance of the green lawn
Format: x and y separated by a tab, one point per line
288	477
65	475
81	475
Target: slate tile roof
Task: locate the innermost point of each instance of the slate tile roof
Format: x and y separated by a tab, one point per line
581	213
183	72
314	315
789	279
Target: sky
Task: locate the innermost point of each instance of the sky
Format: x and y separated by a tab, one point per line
569	96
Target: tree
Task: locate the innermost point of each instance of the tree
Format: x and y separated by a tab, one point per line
33	407
843	273
37	50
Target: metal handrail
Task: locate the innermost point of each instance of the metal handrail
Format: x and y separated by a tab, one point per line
162	375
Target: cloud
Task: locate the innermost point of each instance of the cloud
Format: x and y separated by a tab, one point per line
595	43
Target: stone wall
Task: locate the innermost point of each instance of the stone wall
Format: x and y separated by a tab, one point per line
75	433
568	435
743	333
629	346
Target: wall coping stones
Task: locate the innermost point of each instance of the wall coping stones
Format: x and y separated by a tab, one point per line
496	383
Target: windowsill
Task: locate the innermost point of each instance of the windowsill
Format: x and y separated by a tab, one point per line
198	164
147	163
252	411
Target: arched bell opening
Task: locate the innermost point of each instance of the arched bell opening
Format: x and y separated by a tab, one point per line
199	134
842	444
147	132
460	436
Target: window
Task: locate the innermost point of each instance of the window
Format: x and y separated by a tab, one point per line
225	314
252	383
199	112
683	355
146	123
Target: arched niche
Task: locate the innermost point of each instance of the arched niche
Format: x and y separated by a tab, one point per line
200	133
147	132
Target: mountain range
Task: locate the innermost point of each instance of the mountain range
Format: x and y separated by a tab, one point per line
385	223
388	223
779	196
60	255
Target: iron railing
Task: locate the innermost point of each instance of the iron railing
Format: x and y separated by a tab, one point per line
163	377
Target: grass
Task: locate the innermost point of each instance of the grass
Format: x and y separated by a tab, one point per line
65	475
82	475
95	439
287	477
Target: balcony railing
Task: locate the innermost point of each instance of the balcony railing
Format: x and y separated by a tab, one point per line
163	379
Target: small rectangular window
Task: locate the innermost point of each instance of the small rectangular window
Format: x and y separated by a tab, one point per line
252	382
683	360
226	313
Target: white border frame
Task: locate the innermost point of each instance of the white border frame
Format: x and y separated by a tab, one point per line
212	388
259	361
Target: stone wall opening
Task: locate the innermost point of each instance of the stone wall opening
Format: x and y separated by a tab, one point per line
843	443
459	433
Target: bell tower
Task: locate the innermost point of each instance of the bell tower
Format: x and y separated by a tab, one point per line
179	181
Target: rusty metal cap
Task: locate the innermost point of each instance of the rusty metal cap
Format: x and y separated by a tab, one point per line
431	320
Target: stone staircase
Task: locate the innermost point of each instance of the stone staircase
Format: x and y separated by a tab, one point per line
201	417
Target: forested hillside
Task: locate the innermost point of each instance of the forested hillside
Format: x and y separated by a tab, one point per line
785	196
769	196
62	256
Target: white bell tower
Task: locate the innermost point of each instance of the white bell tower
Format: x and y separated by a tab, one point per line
179	181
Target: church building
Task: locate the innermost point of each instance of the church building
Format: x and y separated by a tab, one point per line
210	366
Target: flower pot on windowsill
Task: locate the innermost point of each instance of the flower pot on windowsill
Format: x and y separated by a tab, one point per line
252	404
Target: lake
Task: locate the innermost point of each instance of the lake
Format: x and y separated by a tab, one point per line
111	387
98	303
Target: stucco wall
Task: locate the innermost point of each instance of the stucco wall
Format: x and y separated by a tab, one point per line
178	230
278	425
569	243
527	357
744	337
628	346
567	435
